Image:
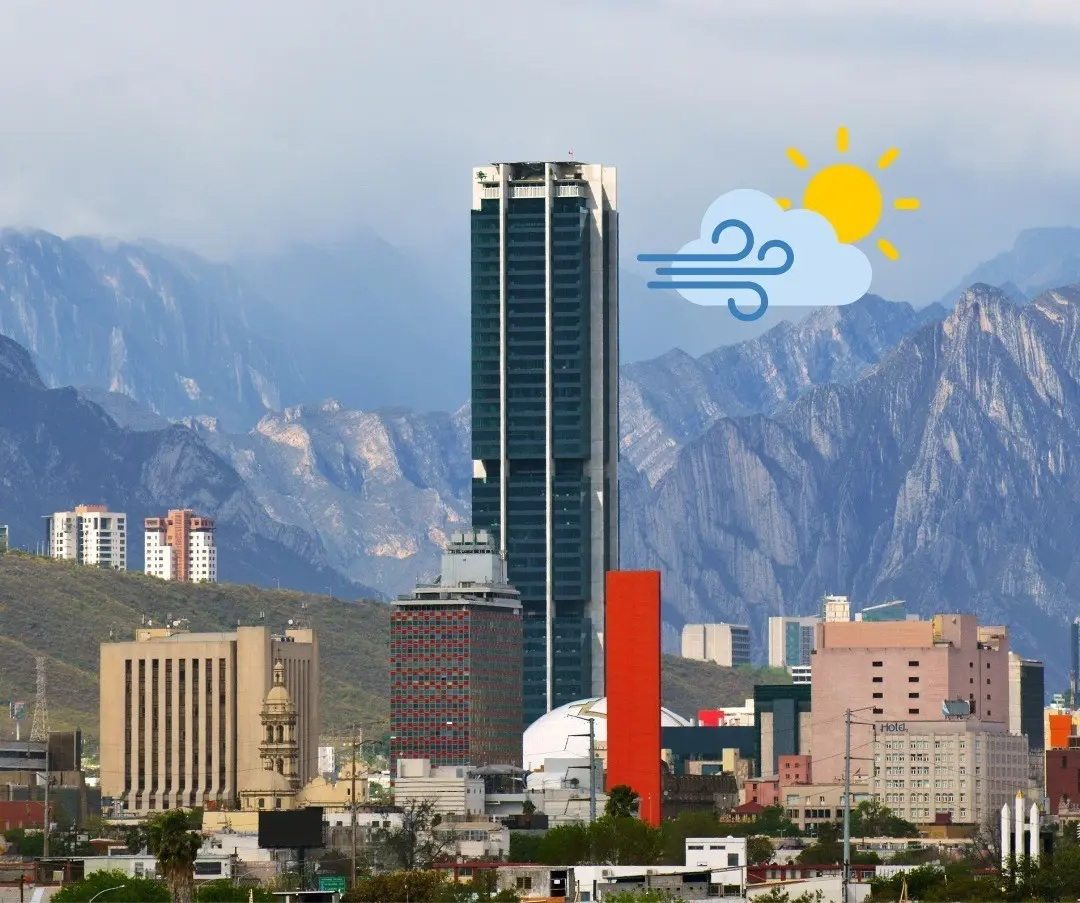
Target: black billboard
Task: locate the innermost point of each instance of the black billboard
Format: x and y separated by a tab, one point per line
291	829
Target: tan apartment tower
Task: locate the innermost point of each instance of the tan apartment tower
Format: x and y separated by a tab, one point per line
181	547
181	712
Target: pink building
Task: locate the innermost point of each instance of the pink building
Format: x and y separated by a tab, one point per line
896	674
763	791
795	770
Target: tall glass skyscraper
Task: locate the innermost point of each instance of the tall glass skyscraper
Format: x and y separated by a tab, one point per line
545	338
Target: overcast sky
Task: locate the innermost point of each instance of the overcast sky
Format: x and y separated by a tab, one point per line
232	126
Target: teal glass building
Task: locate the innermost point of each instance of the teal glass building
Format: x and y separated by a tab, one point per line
545	407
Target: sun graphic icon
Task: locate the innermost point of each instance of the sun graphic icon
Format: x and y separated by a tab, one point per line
848	196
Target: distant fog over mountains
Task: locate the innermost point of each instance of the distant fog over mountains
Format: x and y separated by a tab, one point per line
874	449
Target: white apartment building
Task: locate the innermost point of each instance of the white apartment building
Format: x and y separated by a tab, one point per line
724	644
964	769
181	547
91	535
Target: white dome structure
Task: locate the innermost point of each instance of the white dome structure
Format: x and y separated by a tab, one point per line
560	735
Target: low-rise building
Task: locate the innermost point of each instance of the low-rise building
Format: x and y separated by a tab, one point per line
809	805
723	644
450	789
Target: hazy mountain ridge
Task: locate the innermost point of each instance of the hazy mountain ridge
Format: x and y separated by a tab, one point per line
940	476
57	450
126	318
671	400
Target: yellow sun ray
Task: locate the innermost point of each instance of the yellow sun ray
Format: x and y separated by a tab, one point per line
785	203
797	158
887	249
841	139
888	158
906	203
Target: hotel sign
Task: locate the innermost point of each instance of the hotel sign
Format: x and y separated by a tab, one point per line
893	727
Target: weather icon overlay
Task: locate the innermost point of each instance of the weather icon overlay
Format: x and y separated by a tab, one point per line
806	256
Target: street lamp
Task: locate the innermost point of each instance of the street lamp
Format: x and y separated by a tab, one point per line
107	889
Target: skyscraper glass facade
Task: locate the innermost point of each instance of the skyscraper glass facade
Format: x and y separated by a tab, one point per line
542	363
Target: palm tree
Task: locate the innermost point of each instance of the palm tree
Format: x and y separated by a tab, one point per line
176	846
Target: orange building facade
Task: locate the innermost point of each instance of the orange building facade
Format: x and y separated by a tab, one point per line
632	678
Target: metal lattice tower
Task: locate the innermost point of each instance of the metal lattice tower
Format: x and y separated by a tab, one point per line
40	729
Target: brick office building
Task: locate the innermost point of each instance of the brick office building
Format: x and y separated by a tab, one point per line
455	662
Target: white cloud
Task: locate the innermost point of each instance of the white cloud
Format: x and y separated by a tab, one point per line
822	271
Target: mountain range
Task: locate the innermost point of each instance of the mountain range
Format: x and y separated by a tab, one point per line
873	449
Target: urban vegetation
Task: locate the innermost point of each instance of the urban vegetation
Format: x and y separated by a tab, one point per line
171	840
63	611
427	887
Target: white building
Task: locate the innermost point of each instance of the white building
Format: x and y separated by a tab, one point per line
724	644
181	547
91	535
327	761
451	789
964	769
791	641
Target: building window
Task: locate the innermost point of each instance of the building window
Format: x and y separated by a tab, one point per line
913	711
879	711
879	695
878	680
912	695
878	664
262	804
913	680
913	664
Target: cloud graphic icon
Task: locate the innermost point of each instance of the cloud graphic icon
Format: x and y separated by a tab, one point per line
752	253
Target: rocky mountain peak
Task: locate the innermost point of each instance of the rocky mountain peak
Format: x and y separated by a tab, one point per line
16	364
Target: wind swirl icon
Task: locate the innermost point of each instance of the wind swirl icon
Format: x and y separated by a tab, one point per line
678	274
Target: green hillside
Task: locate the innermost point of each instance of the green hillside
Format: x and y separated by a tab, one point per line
64	612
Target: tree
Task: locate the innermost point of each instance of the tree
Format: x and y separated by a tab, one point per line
773	821
871	818
121	889
135	839
759	850
225	891
415	844
642	896
413	885
688	823
565	845
176	846
625	841
622	802
524	846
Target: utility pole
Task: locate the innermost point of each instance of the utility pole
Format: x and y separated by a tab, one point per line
352	806
45	826
592	770
847	804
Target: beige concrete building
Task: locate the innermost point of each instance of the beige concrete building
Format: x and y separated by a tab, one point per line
809	805
965	770
181	713
895	672
724	644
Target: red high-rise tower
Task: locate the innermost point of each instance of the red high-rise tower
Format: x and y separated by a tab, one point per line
632	679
